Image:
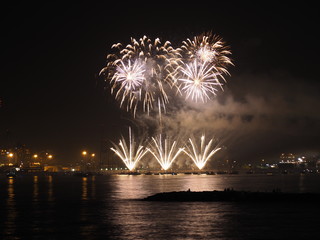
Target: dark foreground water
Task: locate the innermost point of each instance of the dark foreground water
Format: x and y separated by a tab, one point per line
106	207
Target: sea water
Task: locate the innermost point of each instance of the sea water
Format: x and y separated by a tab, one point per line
109	207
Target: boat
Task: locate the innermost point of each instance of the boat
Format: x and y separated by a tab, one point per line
134	173
11	175
222	172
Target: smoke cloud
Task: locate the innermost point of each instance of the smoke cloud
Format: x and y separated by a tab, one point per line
258	119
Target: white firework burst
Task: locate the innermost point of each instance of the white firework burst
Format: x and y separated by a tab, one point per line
199	81
131	75
205	54
200	155
130	153
153	63
164	152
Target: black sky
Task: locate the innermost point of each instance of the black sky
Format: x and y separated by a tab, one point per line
51	54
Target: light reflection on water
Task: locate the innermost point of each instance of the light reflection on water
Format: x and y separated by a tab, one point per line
35	189
50	188
11	209
84	188
106	207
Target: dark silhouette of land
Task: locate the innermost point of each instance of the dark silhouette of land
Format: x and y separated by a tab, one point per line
229	195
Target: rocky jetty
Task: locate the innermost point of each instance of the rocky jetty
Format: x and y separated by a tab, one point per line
234	196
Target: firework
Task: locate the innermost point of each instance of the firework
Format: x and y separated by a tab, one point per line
200	155
204	64
199	81
131	76
164	152
141	73
130	153
207	48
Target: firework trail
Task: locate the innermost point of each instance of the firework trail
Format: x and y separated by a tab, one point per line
200	155
130	153
164	152
204	64
140	73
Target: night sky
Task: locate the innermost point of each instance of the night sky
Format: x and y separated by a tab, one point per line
52	96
